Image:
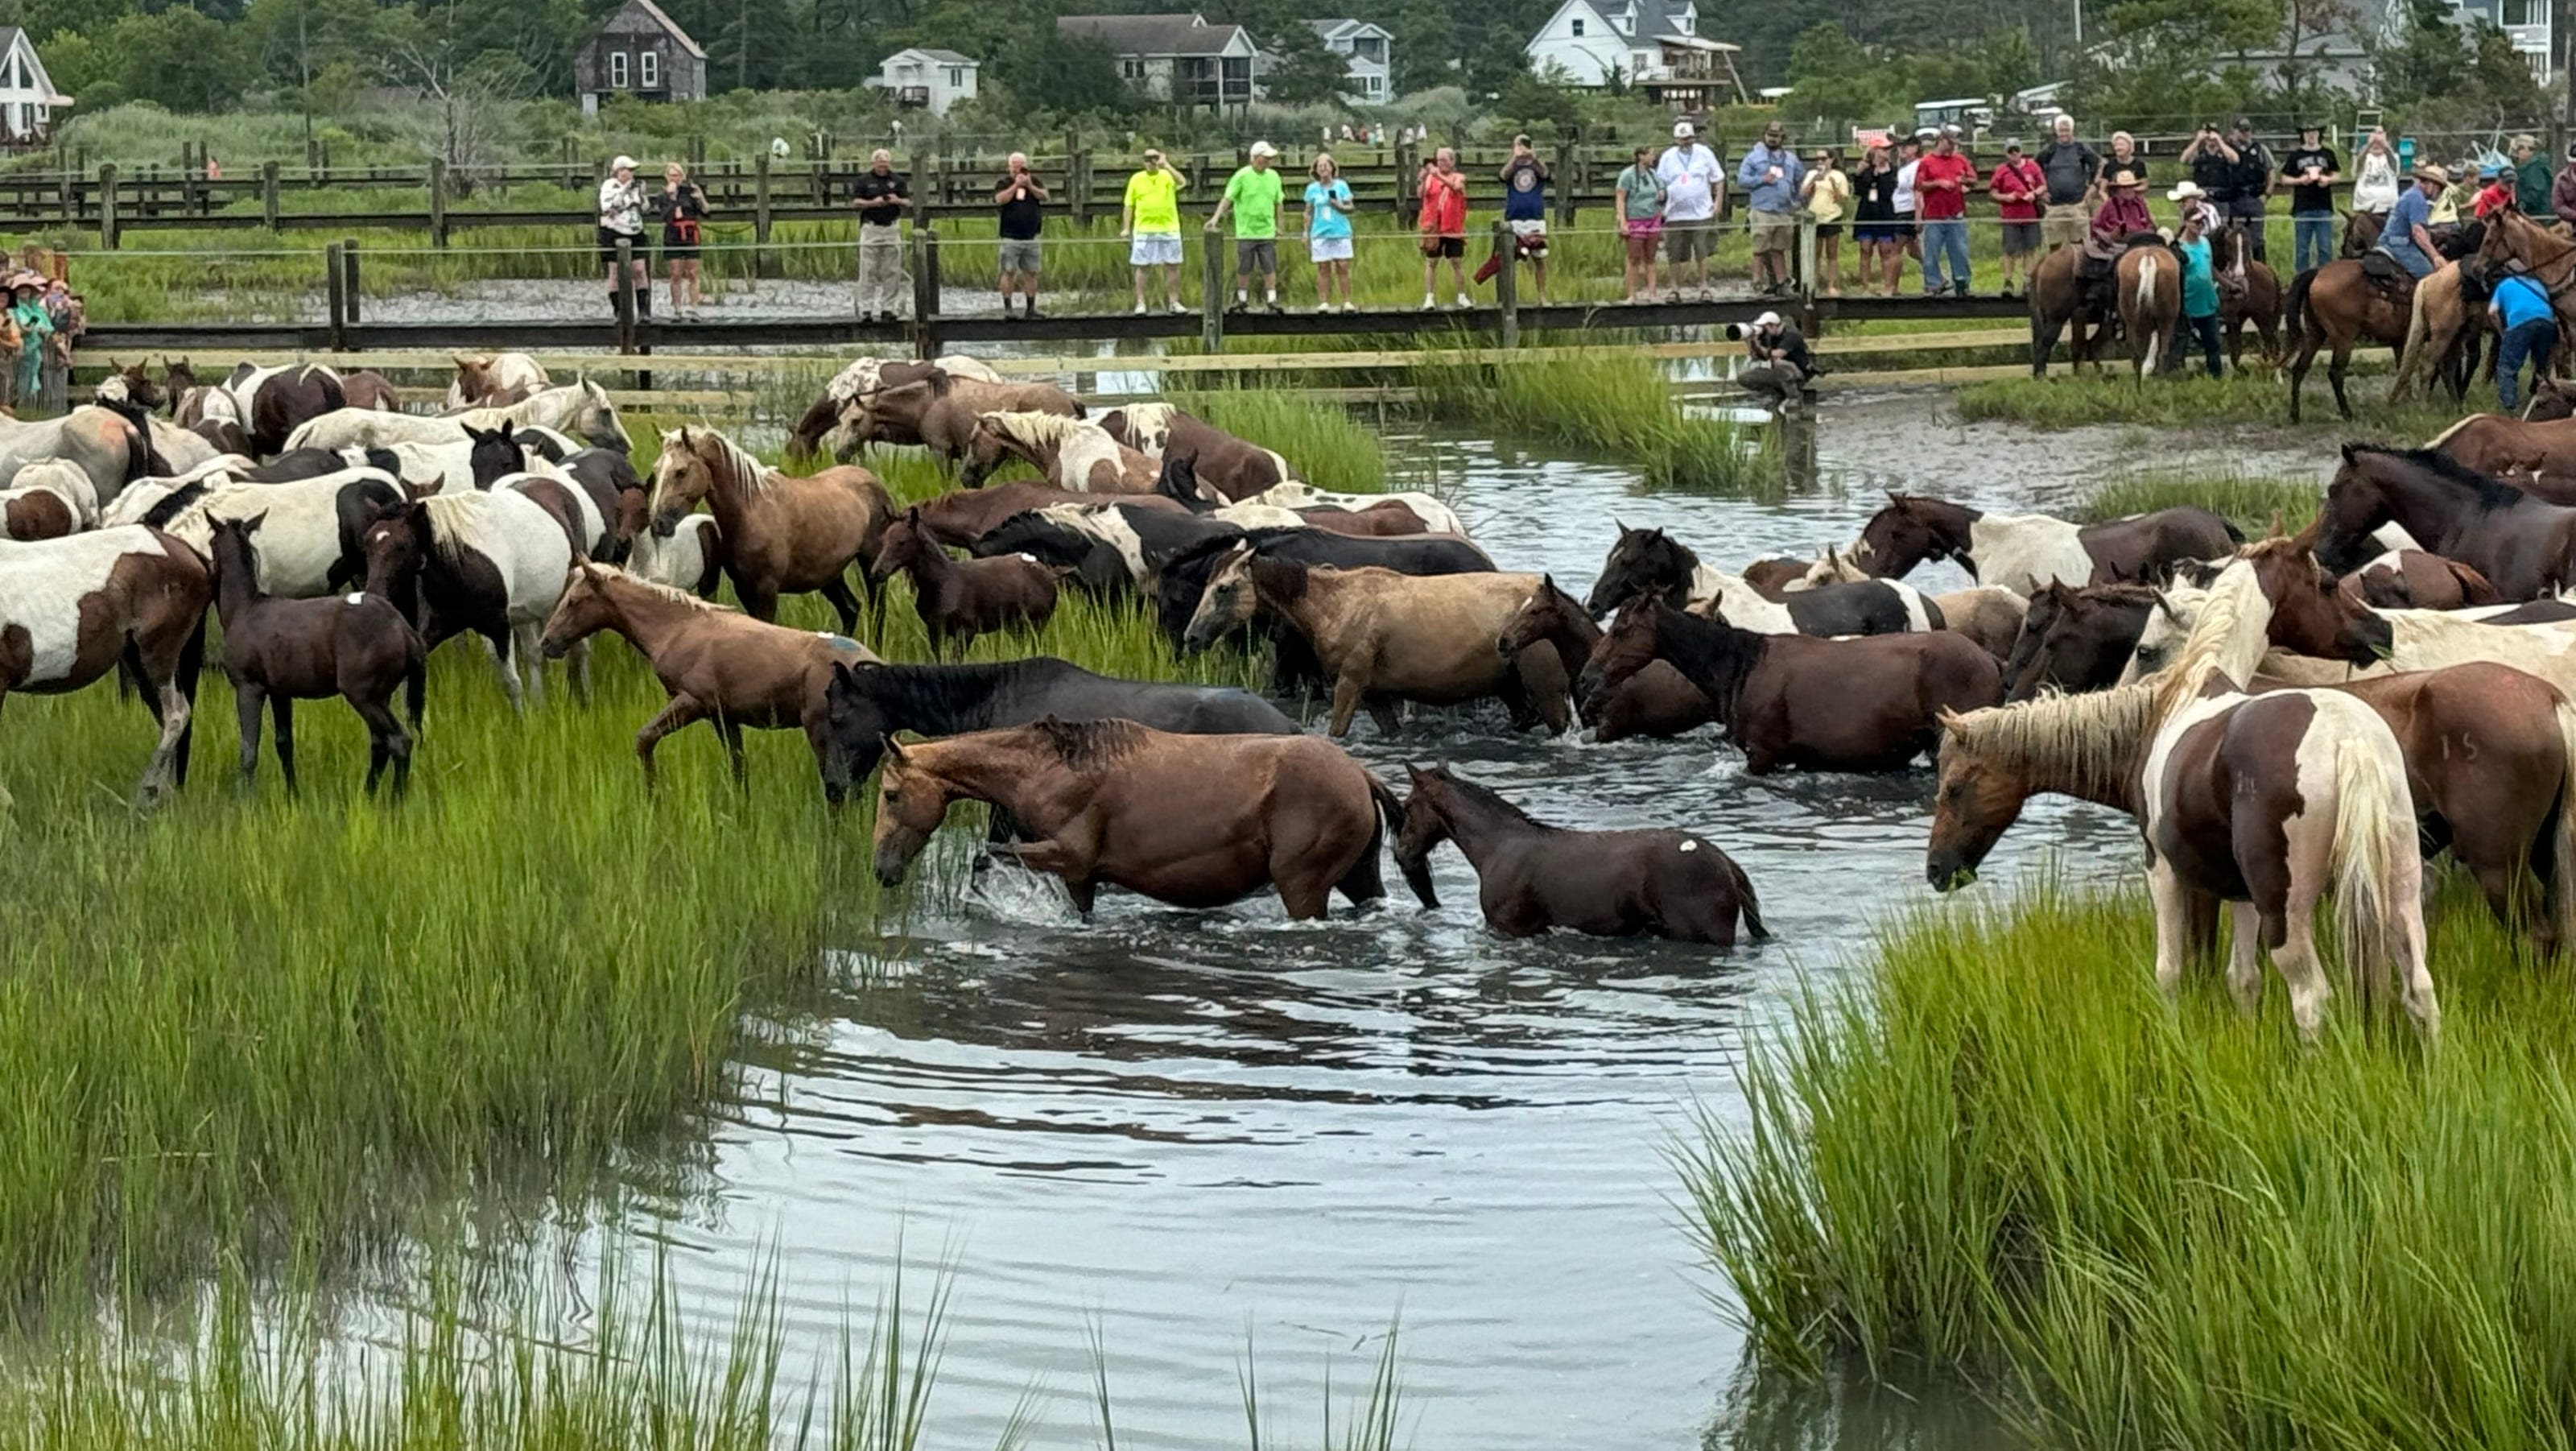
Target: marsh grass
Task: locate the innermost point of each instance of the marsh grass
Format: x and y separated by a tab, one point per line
273	1023
2194	401
2252	502
1327	447
2003	1157
1621	408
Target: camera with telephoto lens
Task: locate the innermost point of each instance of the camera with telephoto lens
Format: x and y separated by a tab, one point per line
1737	332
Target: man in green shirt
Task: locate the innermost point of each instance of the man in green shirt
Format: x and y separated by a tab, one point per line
2531	179
1252	194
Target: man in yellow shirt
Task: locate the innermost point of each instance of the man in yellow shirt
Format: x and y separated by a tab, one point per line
1151	221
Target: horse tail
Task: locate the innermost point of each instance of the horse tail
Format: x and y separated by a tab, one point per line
2153	343
2294	308
2562	836
2419	330
2374	827
1390	821
1747	905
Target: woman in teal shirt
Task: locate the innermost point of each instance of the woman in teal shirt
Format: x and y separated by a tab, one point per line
2199	287
1328	232
34	326
1641	220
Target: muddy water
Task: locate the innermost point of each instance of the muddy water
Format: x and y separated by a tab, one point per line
1198	1131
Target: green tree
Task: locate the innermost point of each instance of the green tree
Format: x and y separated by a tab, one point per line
1065	75
45	19
182	59
1833	77
1303	69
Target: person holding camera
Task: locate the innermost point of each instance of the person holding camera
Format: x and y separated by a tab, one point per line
2236	173
683	210
1019	199
1778	365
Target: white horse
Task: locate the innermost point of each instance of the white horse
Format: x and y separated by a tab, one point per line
309	543
2418	640
689	559
1436	517
582	409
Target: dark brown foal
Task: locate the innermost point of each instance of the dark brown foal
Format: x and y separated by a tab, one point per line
1656	701
960	600
279	651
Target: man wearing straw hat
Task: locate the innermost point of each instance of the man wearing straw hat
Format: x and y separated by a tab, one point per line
2408	237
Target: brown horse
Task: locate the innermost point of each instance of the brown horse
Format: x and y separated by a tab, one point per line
782	534
1236	468
279	651
2548	254
1531	877
959	519
1195	821
936	409
2361	231
1384	637
2060	301
719	666
2337	307
2537	457
367	388
73	609
2148	281
2413	579
1067	452
2021	552
2525	547
1656	701
2077	640
1793	701
2256	299
961	600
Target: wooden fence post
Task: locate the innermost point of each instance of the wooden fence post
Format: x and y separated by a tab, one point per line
621	296
335	289
349	264
925	292
1506	279
437	202
1405	200
268	194
107	205
1212	293
1568	177
760	214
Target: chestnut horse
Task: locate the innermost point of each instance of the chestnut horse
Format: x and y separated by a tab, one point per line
718	665
1656	701
1794	701
1531	876
962	600
782	534
1194	821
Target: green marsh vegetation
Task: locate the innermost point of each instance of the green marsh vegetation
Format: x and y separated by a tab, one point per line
2001	1158
1619	407
2252	502
2197	401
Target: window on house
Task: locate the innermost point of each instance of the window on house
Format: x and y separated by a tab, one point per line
956	78
648	70
617	69
1578	26
1682	23
1376	85
1131	69
2520	12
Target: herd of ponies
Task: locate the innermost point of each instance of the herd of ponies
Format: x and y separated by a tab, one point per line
2293	721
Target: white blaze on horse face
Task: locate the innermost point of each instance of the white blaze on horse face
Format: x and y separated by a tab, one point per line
2022	552
42	586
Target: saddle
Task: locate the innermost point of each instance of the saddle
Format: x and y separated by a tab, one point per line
2385	272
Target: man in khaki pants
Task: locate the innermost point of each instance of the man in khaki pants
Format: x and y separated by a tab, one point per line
2073	172
882	198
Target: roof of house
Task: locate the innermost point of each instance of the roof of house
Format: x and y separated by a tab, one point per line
944	57
1153	34
665	23
1345	24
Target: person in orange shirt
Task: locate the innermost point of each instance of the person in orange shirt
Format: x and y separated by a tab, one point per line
2497	195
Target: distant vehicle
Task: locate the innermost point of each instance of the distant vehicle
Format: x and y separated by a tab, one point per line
1971	113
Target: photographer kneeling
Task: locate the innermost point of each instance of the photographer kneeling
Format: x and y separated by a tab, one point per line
1781	366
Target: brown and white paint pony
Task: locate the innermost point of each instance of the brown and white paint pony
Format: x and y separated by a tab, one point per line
485	380
49	499
1068	452
862	375
72	609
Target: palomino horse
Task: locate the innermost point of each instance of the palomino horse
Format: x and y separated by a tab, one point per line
49	499
279	651
1793	701
2148	284
2525	547
719	666
1068	452
493	564
1656	701
2261	802
582	409
2021	552
2335	307
1650	562
1195	821
72	609
2444	324
869	703
865	375
782	534
959	601
1384	637
1531	877
1236	468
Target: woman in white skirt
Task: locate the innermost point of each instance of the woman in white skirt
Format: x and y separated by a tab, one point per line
1328	233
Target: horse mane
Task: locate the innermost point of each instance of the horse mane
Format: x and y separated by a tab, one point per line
1724	651
1143	417
2489	493
175	503
668	593
749	473
1486	798
2092	738
2229	637
459	522
1086	744
959	694
860	376
1037	430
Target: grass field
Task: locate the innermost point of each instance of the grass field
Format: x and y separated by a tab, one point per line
1618	408
2252	502
2004	1159
2194	401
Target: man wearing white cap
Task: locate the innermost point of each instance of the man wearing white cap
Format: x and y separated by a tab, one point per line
1778	363
621	219
1252	195
1692	177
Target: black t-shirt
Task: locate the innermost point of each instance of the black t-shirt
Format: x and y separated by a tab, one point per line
2307	199
1791	345
681	212
1020	215
869	187
2253	172
1874	193
2216	174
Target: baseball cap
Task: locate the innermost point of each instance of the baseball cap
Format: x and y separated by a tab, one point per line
622	163
1682	130
1768	319
1264	148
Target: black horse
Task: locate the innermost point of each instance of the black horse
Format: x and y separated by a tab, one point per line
866	702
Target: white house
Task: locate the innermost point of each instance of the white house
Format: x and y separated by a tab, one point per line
937	79
1176	58
1370	52
27	96
1592	38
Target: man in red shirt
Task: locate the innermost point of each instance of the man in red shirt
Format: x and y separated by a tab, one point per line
1443	220
1941	182
2019	188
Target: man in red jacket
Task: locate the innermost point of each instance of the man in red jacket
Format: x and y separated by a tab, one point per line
1941	182
2020	188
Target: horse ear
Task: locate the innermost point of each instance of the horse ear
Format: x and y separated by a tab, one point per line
895	755
1950	722
2348	452
1416	774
